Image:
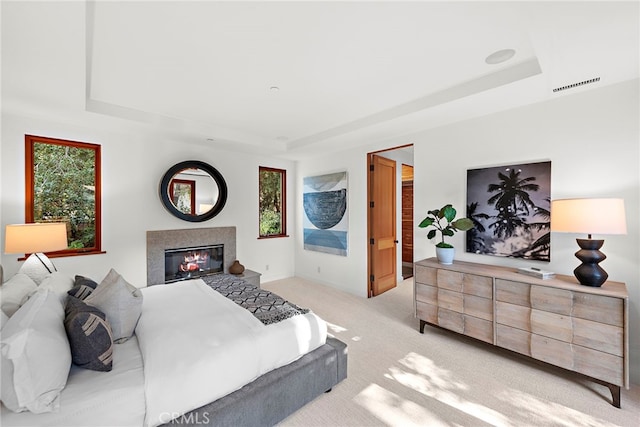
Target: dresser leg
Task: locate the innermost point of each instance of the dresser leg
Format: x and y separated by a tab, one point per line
615	394
614	389
422	323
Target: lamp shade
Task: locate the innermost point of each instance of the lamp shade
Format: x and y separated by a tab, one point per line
35	237
588	216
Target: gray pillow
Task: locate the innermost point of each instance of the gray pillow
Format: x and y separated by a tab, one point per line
82	287
121	302
89	336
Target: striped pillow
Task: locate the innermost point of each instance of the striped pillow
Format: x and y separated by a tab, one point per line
90	336
82	287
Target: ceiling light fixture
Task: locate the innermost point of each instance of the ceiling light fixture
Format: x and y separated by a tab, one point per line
274	88
500	56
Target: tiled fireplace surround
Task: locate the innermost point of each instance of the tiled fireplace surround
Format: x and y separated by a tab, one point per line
159	240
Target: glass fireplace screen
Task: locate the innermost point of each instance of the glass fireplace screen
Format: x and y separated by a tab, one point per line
189	263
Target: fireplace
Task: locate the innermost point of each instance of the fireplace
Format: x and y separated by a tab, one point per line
160	240
192	262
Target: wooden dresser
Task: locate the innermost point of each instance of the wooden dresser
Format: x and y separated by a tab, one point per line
557	321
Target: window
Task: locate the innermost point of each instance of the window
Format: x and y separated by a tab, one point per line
63	185
273	218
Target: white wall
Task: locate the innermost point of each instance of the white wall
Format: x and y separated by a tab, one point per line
132	165
345	273
592	139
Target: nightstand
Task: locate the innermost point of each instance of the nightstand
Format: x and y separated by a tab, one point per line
251	276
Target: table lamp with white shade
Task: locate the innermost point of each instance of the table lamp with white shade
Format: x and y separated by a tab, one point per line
589	216
35	239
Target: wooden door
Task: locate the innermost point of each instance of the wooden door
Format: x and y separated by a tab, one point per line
382	225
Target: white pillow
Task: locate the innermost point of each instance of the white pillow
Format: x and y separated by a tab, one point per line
60	283
3	319
15	292
36	357
121	302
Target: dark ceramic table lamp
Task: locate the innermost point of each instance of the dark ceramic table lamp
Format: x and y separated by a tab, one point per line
589	216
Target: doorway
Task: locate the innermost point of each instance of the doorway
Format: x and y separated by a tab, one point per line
407	221
390	245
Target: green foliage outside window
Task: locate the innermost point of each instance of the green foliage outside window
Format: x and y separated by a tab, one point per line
64	190
271	202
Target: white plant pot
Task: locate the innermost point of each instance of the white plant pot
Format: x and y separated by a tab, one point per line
445	255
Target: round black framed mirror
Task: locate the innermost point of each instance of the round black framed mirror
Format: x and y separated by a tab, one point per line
193	191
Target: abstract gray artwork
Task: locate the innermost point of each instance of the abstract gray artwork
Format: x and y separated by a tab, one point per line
326	222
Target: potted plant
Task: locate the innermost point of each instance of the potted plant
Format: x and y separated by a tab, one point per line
443	220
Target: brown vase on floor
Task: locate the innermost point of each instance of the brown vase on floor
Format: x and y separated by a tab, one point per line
236	268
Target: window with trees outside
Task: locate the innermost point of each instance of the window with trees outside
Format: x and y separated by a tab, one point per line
272	201
63	185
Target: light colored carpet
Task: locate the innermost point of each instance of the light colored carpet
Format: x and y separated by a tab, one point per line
398	377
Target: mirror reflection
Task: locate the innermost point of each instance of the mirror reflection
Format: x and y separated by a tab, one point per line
193	191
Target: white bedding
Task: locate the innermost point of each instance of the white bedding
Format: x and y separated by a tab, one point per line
198	346
191	347
92	398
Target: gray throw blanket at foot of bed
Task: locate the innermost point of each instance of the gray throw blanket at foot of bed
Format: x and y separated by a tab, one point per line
266	306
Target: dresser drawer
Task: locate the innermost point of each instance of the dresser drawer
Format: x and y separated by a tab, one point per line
481	286
599	336
478	328
450	300
513	339
451	320
552	325
451	280
426	293
513	315
552	351
599	308
513	292
478	307
426	275
551	299
427	312
596	364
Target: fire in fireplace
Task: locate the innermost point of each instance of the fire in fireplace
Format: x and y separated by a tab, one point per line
189	263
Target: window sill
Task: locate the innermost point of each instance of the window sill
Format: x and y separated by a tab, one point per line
67	254
275	236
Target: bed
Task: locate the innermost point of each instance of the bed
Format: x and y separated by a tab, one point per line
210	351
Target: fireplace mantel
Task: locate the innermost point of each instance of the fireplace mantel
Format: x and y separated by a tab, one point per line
159	240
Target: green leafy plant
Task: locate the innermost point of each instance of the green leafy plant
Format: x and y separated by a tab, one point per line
443	220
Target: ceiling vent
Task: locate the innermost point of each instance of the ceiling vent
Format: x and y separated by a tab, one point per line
571	86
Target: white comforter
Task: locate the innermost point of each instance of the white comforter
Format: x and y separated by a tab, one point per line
198	346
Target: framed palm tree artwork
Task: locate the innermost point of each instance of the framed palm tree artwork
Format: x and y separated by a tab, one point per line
509	206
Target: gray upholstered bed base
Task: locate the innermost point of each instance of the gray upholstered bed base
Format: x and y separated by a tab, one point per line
277	394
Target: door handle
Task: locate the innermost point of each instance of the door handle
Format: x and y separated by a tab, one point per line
395	241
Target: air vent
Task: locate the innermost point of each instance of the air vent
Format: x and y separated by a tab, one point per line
571	86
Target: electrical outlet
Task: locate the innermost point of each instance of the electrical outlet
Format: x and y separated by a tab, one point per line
266	267
318	269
